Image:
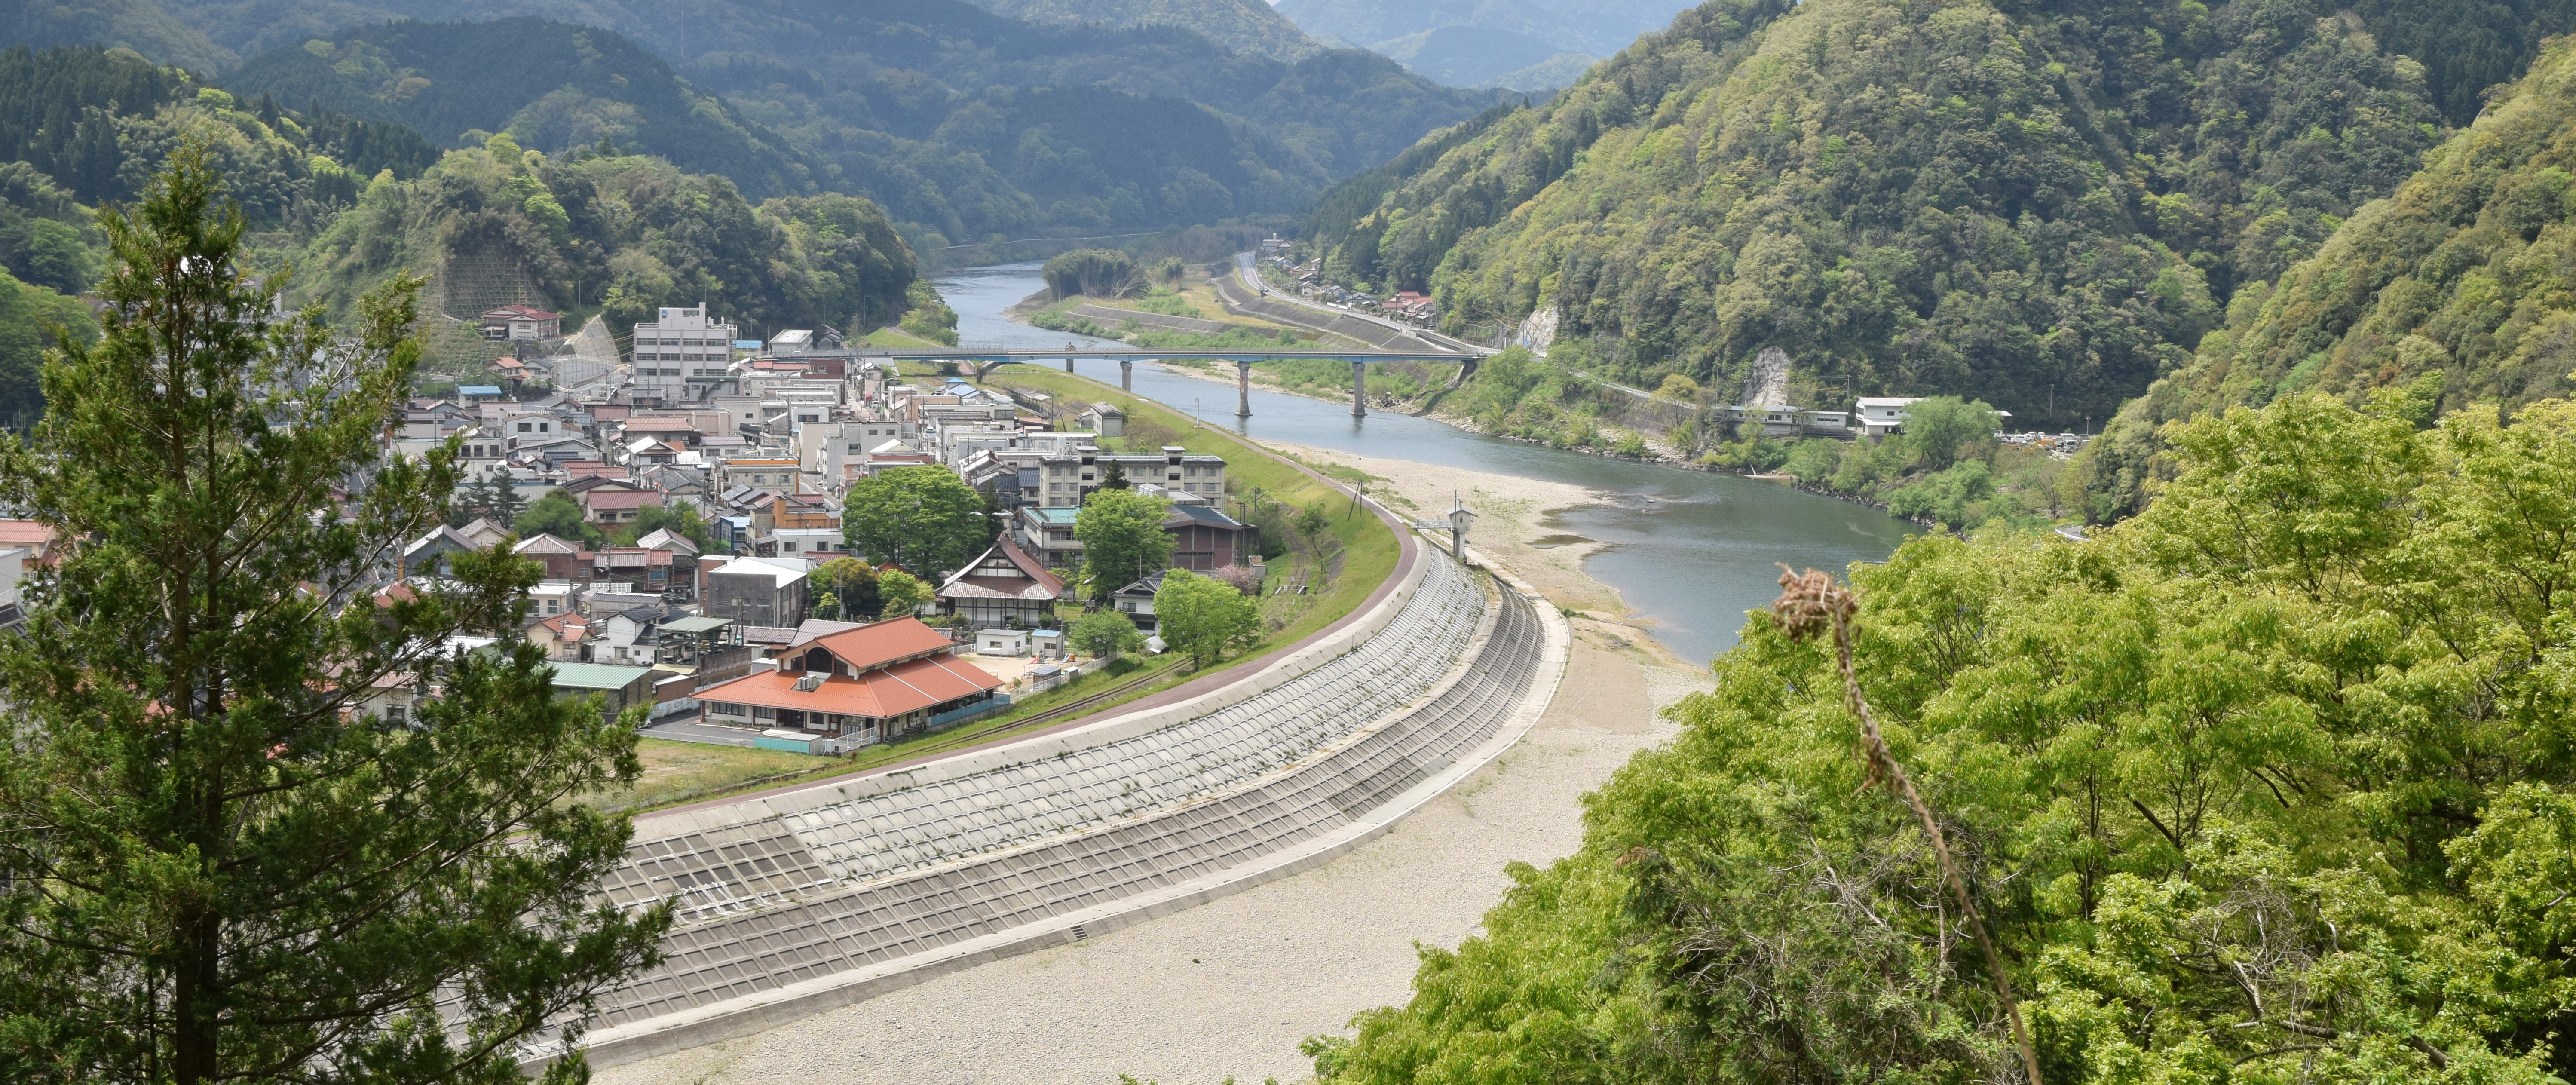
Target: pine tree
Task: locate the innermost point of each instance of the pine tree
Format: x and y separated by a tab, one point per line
214	865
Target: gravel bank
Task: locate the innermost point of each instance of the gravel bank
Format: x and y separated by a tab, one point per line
1229	988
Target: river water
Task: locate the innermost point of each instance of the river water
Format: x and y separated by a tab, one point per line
1691	551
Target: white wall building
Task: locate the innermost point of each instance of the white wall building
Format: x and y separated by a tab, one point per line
679	348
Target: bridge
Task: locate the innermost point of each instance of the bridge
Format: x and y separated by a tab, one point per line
986	360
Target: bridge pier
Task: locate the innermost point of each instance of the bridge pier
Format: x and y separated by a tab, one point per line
1126	376
1243	389
1068	365
1359	389
1466	369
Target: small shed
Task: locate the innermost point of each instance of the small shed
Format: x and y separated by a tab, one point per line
622	687
1105	419
1049	643
1002	642
1042	679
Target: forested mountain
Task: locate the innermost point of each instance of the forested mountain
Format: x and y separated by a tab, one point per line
1600	27
552	86
2041	207
1242	25
80	126
2461	289
144	26
964	124
617	234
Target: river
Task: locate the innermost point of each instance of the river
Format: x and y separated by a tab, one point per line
1691	551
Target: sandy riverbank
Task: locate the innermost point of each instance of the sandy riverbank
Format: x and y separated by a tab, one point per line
1229	988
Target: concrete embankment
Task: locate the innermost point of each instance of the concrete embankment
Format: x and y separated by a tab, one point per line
796	903
1227	988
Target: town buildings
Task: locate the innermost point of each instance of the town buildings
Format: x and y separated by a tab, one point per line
680	347
709	477
868	684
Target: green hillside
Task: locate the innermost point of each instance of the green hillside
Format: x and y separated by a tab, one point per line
552	86
617	234
148	28
1242	25
30	315
2461	288
2039	207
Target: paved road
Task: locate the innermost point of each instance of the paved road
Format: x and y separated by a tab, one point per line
1249	274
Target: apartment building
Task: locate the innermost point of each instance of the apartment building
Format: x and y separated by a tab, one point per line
681	347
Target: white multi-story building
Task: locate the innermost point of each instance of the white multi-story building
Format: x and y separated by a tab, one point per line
679	348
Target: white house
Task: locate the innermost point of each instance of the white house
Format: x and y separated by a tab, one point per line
1881	416
1002	642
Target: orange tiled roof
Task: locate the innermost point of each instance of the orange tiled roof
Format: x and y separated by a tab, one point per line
880	694
884	642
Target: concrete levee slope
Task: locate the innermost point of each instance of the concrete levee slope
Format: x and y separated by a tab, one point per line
786	908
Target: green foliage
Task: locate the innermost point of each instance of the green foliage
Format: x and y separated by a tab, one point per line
59	255
929	316
2465	272
1236	24
30	316
852	586
97	123
1122	538
900	594
921	518
2040	206
681	518
551	86
2465	48
1953	497
1103	633
1098	273
219	863
1518	394
1204	618
2271	783
488	497
1314	519
557	514
144	27
1942	426
628	233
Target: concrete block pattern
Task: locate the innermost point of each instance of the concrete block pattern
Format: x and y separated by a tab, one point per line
866	884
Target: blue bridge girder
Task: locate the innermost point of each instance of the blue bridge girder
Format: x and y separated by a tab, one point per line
969	354
985	361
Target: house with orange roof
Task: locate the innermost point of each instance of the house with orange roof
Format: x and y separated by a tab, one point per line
36	538
868	684
564	637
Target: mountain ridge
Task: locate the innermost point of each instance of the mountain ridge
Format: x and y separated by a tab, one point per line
2040	210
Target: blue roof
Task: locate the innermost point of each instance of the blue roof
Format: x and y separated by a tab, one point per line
478	389
746	344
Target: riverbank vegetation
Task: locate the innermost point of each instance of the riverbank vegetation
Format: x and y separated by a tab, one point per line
2271	783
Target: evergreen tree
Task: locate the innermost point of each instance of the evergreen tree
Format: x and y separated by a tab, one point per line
214	864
